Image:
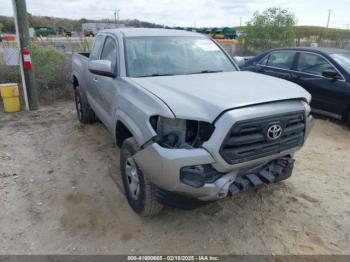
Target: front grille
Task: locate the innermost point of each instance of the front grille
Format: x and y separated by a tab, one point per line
247	139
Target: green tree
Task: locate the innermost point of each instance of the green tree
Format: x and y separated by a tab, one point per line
83	21
273	28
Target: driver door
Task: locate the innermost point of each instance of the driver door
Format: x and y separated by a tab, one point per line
107	87
92	78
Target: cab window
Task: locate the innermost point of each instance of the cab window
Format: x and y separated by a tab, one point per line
96	48
313	64
109	51
283	59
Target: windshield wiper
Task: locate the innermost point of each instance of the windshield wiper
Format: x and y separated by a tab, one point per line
207	71
157	75
200	72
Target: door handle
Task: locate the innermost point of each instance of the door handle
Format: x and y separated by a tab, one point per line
95	79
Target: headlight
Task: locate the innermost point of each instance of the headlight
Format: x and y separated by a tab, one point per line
180	133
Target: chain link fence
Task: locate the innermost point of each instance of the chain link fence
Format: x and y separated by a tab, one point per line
52	57
237	49
9	64
51	64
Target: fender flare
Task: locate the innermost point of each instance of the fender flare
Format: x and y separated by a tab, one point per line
131	126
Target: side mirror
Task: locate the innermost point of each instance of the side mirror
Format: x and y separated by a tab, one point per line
239	60
331	74
101	67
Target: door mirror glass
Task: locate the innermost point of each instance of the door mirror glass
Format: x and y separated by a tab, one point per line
331	74
101	67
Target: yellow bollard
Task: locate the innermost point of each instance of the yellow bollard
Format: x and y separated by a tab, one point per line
10	97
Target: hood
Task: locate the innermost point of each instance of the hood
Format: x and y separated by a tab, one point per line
204	96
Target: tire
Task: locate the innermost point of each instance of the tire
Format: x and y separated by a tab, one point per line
84	111
139	191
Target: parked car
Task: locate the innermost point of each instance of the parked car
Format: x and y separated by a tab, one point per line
323	72
192	127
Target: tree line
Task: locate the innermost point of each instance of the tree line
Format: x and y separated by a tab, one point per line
276	27
7	24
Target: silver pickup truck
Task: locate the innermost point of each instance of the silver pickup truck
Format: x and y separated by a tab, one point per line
192	128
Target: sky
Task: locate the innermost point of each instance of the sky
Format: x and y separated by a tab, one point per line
199	13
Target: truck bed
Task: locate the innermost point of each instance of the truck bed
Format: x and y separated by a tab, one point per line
79	66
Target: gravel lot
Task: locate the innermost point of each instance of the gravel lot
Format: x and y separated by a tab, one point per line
60	194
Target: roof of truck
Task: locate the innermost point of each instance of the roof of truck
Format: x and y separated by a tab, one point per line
134	32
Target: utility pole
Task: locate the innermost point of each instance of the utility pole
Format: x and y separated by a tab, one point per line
22	30
240	22
115	18
329	17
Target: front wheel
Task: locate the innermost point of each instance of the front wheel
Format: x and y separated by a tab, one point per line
140	192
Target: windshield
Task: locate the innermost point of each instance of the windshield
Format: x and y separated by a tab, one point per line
343	60
164	55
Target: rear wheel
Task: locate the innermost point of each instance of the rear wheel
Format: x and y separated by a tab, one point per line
140	192
84	111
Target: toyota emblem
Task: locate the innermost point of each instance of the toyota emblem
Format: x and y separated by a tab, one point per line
274	132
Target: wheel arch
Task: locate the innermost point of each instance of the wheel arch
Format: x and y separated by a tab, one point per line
75	82
122	133
126	127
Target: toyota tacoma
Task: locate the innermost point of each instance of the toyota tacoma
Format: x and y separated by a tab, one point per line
191	126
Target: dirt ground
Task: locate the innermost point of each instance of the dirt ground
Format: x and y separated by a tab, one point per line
60	194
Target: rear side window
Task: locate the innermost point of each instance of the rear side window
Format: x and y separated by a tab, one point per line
109	51
282	60
313	64
96	48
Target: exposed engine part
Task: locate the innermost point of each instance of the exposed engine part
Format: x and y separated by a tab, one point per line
180	133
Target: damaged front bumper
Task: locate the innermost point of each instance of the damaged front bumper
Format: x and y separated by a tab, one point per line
274	171
190	172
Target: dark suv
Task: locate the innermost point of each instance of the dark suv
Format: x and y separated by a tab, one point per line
323	72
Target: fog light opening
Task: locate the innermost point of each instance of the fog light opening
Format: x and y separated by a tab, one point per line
197	176
193	176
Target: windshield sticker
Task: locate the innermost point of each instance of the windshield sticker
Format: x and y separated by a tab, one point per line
206	45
